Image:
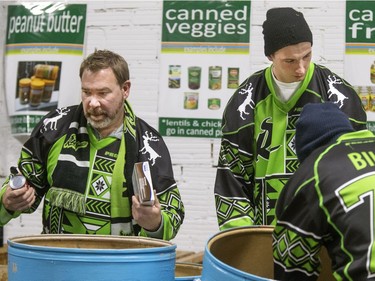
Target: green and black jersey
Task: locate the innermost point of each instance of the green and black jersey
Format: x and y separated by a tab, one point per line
257	155
86	182
329	201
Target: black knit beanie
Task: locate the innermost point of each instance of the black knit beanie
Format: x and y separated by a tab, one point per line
284	27
318	125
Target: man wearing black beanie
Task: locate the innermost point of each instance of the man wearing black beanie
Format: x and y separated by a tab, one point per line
257	155
329	201
284	27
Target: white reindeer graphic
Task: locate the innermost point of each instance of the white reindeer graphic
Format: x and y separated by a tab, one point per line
147	148
333	91
53	120
247	102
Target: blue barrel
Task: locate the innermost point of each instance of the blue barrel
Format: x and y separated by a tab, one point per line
239	254
90	257
186	271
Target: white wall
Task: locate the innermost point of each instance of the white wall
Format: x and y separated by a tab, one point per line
133	29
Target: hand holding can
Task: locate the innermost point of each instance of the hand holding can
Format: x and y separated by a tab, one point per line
16	180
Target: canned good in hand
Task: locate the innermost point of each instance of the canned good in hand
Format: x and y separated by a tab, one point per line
16	180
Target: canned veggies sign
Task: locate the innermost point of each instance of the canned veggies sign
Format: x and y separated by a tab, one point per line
206	21
204	55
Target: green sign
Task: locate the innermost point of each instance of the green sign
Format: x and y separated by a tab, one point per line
206	27
205	51
55	23
44	42
360	27
190	127
24	124
207	21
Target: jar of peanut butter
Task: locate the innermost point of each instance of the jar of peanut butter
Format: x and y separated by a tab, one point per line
24	90
46	71
36	92
49	86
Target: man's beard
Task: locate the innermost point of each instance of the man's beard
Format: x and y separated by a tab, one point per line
99	124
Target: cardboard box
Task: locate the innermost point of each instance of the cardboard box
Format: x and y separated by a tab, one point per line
142	183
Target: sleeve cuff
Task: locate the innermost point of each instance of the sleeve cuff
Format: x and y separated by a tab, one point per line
5	215
157	233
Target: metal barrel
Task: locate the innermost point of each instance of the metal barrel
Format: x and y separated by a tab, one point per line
243	253
90	257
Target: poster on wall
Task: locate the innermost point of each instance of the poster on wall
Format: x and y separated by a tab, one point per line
360	53
43	52
204	56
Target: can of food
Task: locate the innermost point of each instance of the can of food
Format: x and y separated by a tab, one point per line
372	73
174	81
233	77
365	98
214	103
372	102
24	90
194	77
214	77
191	100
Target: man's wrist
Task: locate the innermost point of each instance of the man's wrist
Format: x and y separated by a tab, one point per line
157	233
